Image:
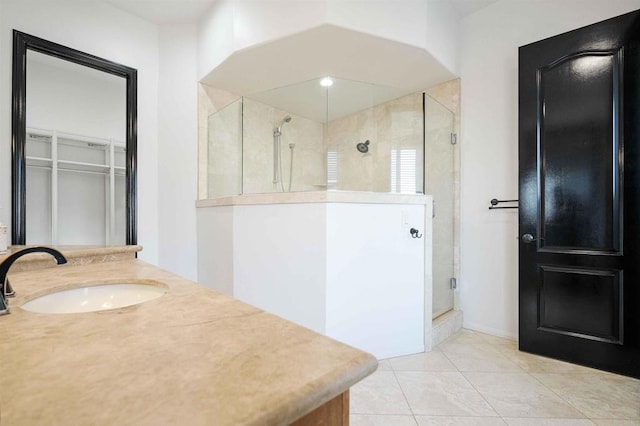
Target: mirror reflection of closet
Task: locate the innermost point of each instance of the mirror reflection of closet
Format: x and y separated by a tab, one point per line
75	153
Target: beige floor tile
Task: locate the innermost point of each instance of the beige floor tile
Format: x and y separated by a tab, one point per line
478	357
379	393
597	395
547	422
611	422
380	420
459	421
428	361
442	394
520	395
539	364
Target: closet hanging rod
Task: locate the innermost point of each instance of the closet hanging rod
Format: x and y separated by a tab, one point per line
92	172
62	169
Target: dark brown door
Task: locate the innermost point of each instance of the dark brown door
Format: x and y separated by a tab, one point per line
580	196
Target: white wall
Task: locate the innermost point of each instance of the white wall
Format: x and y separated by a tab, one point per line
279	256
177	150
215	248
75	99
105	31
375	269
443	33
489	146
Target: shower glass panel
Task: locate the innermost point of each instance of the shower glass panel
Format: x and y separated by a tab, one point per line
321	134
224	151
375	137
290	159
439	167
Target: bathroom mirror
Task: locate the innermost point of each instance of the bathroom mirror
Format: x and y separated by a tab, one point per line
74	143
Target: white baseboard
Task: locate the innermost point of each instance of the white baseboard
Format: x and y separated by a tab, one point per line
489	330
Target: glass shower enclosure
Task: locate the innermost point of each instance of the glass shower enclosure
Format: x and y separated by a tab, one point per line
322	134
439	182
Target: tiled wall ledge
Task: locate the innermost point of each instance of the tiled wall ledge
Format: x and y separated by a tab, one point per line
315	197
76	255
445	326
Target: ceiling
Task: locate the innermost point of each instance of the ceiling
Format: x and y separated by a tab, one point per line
165	11
328	50
184	11
467	7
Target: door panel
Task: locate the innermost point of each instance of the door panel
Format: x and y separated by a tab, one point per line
579	177
577	101
594	297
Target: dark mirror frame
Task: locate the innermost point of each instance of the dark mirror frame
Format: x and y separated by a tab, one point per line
23	42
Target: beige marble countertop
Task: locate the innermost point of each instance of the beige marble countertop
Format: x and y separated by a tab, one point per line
192	356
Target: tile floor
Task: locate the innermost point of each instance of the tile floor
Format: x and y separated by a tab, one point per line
477	379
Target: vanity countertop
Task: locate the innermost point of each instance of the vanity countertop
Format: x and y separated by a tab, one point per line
192	356
76	255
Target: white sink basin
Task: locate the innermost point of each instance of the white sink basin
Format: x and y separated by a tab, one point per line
94	298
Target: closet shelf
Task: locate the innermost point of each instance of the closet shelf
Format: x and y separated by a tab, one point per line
38	161
93	165
81	166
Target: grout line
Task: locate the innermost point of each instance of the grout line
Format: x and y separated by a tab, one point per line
481	395
403	394
471	384
558	394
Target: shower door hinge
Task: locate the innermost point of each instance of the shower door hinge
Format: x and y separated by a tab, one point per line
454	283
454	138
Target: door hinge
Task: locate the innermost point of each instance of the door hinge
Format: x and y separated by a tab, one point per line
433	208
454	283
454	138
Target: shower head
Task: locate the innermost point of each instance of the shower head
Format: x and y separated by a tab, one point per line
363	147
285	119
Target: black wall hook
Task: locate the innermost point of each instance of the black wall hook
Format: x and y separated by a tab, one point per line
415	233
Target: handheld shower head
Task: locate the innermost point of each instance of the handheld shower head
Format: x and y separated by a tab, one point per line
277	131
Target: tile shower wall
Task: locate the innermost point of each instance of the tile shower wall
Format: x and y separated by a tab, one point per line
259	121
392	128
210	101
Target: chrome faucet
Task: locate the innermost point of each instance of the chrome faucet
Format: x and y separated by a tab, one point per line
5	287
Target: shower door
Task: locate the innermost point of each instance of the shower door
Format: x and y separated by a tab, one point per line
439	182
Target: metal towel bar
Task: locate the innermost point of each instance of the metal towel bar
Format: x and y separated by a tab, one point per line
494	204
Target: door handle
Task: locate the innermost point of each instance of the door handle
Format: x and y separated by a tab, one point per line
528	239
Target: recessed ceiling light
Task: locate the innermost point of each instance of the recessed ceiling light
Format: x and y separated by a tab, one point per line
326	82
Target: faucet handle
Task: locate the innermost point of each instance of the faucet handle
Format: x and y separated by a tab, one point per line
8	290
